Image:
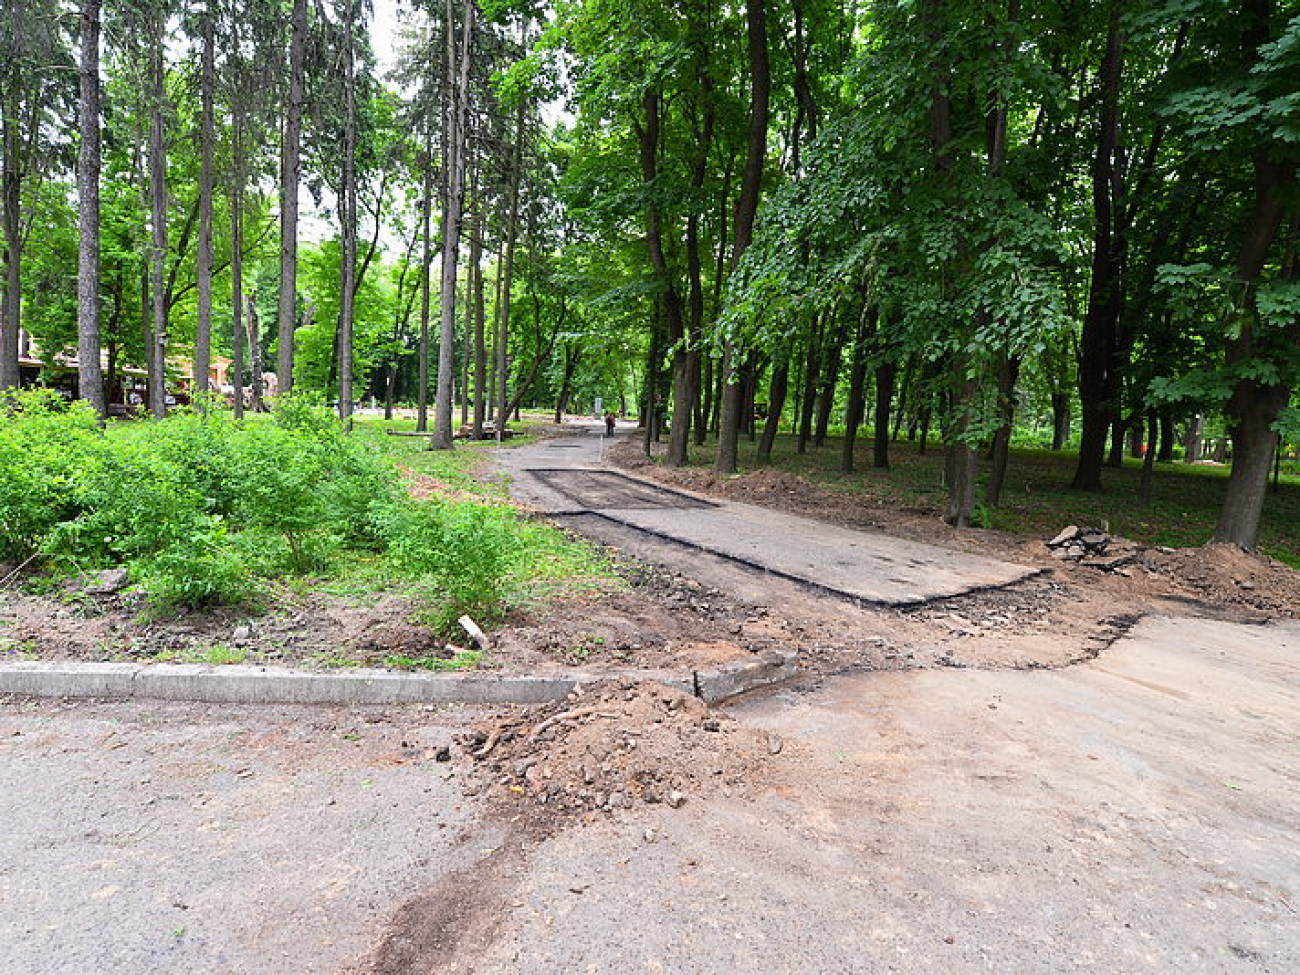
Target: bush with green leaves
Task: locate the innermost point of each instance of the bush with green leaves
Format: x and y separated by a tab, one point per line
44	442
461	552
202	508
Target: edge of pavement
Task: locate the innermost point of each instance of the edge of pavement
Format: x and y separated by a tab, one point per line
243	684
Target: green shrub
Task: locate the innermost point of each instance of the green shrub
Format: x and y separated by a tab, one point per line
44	442
201	508
463	552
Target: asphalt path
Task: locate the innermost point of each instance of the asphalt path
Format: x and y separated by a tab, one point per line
568	476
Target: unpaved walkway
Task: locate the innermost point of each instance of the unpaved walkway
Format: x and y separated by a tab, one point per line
148	839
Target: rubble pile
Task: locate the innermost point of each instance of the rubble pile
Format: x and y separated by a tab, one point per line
615	744
1094	548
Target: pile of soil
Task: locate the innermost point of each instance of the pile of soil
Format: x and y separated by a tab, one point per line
615	745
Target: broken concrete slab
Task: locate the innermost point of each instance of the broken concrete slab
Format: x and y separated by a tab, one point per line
868	567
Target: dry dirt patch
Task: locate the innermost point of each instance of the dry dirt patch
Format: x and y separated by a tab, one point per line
616	745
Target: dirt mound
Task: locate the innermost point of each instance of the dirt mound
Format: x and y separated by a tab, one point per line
616	744
1224	575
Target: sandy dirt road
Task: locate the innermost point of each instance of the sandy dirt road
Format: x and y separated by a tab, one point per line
1133	814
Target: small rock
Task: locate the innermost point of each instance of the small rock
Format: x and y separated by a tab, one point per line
1065	535
443	754
107	582
676	800
774	744
522	766
242	635
650	836
711	724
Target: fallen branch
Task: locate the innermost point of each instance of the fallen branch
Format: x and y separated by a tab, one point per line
492	740
568	716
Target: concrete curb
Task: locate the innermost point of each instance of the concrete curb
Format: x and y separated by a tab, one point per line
240	684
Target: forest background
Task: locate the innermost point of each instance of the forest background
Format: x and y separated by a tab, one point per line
1071	225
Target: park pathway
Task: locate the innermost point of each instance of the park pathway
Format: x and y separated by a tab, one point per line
567	478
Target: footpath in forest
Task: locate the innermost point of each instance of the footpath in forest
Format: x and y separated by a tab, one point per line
566	478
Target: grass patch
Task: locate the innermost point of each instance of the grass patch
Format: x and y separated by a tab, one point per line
461	660
215	655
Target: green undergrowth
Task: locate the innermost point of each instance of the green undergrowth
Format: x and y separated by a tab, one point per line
203	510
1036	501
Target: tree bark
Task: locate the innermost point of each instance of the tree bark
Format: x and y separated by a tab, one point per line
1008	376
426	262
880	430
348	217
833	360
290	176
256	367
746	209
480	322
158	217
686	357
506	282
90	376
855	409
207	189
671	304
1060	420
777	392
442	434
1097	343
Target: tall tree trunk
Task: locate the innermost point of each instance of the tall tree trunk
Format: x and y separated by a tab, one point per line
686	356
746	208
1060	420
158	214
811	371
90	376
777	392
11	201
1166	454
1149	460
348	217
290	176
237	280
255	353
426	262
880	427
442	434
1008	376
834	358
207	184
856	406
671	304
572	354
1254	406
480	321
1097	344
506	282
